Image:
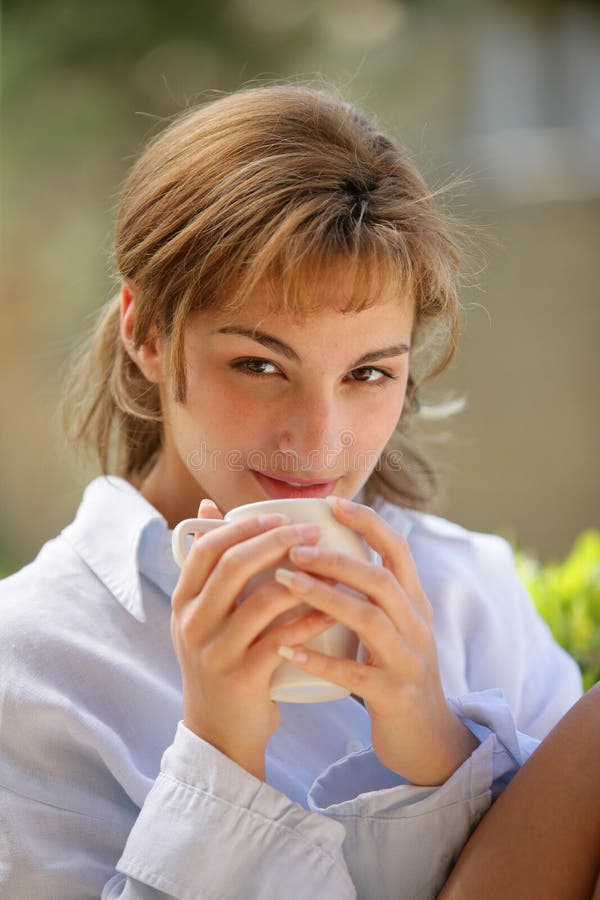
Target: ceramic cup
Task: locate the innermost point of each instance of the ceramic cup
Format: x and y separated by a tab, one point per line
291	684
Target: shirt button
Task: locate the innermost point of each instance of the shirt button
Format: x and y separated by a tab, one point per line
354	746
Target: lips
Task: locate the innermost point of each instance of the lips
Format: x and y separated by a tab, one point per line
279	489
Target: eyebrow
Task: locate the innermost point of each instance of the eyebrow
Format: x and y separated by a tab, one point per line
273	343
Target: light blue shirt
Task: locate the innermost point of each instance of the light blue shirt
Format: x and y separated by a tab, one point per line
104	792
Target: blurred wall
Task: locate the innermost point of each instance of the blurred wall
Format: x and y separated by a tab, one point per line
504	93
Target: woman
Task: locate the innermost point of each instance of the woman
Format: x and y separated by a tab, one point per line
287	286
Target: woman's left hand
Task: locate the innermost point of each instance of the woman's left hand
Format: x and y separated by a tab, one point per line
413	730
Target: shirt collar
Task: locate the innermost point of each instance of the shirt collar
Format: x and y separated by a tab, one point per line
109	533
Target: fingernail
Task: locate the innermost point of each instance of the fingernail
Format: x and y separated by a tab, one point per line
208	505
272	519
304	554
294	655
308	531
341	503
296	581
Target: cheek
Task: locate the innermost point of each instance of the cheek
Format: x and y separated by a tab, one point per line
375	426
216	413
373	432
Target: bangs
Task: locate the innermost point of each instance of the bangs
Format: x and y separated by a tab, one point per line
307	275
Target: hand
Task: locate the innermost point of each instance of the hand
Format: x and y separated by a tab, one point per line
413	730
225	653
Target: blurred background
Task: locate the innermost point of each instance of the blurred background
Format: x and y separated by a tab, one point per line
504	93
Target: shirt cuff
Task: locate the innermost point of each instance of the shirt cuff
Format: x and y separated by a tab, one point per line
410	835
487	713
418	830
209	829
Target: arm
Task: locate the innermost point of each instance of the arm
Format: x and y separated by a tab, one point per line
414	731
412	832
542	837
210	826
77	789
399	839
404	837
209	829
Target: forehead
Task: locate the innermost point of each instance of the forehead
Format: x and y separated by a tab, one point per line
384	329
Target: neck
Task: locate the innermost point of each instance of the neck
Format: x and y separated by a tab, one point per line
161	489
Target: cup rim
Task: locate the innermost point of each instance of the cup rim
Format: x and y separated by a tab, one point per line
258	504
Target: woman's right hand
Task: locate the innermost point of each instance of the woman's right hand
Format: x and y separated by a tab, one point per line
225	656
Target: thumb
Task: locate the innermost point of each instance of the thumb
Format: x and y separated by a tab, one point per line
209	510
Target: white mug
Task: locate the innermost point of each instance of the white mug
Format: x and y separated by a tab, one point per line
291	684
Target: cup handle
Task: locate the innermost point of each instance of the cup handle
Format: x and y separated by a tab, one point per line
190	526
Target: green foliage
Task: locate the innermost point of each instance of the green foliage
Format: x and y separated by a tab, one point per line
567	595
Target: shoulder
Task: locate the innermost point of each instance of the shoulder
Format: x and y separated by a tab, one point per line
470	577
472	582
56	573
48	611
442	539
55	563
488	631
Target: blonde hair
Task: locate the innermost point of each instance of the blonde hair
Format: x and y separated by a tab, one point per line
268	184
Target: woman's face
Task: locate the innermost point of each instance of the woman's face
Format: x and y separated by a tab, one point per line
313	401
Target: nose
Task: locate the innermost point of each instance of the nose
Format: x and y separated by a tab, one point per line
313	424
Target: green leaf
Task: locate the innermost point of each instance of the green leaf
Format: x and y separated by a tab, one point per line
567	595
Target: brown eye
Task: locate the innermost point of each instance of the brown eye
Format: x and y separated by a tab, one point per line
376	383
249	366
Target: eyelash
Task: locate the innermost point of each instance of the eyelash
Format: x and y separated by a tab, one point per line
240	365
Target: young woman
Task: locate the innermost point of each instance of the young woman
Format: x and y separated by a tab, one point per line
287	286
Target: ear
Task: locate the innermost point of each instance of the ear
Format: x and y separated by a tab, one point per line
148	357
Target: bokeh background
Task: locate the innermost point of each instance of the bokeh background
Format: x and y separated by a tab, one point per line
503	94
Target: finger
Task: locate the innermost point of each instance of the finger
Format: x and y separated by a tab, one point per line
208	547
208	509
372	625
255	614
264	656
217	582
375	582
364	681
392	547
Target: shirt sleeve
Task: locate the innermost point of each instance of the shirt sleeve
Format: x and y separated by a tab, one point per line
405	838
209	830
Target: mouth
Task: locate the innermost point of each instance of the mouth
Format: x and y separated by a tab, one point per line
277	488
